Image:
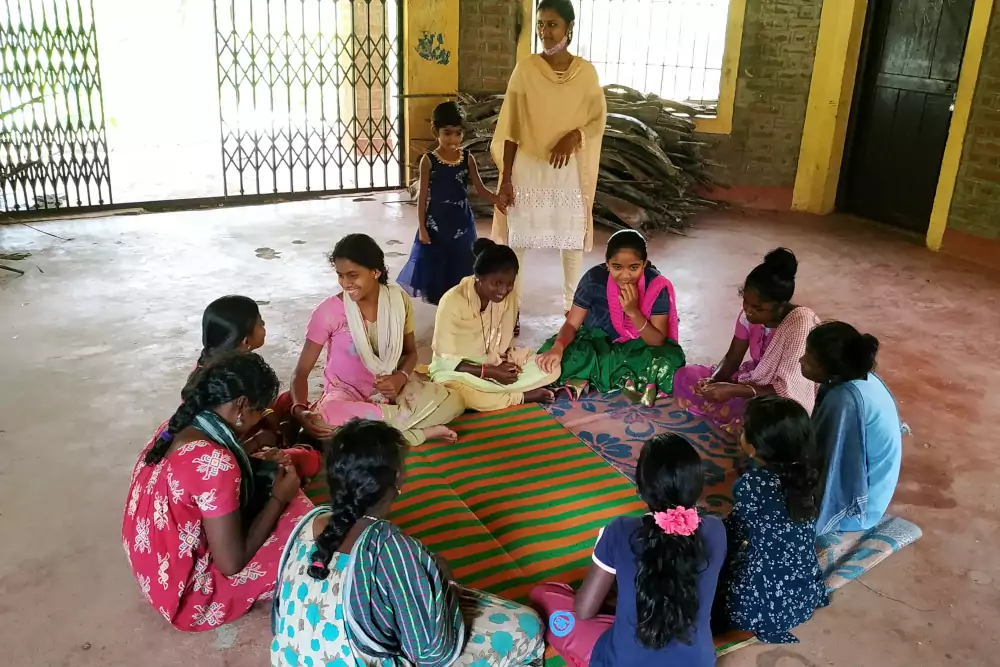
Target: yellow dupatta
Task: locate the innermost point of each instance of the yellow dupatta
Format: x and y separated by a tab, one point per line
461	331
540	108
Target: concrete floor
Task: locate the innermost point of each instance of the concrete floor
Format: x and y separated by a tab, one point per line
95	349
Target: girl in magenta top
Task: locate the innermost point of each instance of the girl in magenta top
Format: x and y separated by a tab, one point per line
773	330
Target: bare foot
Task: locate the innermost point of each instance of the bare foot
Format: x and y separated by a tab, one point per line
543	396
440	433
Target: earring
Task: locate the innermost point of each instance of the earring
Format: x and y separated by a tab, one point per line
239	420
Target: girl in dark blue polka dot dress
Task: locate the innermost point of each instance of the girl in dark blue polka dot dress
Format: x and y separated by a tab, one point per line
772	581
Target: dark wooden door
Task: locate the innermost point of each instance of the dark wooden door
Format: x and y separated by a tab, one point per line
903	101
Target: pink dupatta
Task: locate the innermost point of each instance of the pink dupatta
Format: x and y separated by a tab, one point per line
647	297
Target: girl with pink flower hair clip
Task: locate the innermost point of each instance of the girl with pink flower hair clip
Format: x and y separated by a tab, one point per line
666	564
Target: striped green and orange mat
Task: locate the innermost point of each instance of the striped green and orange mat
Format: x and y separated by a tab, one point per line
517	501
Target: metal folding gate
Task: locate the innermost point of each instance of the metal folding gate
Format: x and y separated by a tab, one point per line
310	102
53	144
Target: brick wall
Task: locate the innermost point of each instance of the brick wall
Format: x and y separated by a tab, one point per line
487	48
776	57
772	89
975	207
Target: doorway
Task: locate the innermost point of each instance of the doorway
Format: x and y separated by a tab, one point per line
908	72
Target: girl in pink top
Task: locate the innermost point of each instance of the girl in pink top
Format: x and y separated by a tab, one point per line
371	352
774	331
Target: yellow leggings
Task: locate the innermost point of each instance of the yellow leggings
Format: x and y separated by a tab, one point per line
484	401
571	261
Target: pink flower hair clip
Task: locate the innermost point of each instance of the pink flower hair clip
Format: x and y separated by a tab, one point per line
677	521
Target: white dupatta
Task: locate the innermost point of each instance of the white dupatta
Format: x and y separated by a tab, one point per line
391	322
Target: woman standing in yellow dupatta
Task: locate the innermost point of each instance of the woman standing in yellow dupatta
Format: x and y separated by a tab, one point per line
547	145
473	332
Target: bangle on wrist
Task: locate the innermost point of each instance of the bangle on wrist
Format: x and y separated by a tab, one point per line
298	405
644	326
753	389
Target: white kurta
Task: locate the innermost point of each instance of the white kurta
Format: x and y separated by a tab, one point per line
550	210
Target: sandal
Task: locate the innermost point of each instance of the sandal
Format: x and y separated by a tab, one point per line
630	392
649	395
577	388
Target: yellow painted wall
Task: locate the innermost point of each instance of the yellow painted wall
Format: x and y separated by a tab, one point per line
838	48
964	97
431	76
822	149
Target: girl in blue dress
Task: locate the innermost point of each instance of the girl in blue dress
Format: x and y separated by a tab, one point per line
442	250
772	581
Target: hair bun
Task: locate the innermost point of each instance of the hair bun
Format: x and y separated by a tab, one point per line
782	263
869	344
481	245
861	351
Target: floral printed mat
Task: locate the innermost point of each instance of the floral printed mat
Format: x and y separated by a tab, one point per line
615	427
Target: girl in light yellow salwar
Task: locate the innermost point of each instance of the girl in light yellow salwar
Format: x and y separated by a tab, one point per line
547	145
371	352
473	333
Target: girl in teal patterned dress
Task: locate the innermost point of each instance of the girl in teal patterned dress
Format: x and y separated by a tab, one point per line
354	590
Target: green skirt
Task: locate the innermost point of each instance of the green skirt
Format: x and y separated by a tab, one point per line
607	366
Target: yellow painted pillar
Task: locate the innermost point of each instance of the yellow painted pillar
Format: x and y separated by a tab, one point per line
821	152
430	49
524	42
968	76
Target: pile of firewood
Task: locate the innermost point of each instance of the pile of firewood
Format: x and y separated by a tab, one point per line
651	162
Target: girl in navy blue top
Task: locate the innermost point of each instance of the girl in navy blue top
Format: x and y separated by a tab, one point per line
442	250
666	564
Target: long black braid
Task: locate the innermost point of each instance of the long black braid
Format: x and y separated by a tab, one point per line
363	462
668	475
225	378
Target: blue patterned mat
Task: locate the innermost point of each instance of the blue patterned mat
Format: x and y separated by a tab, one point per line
615	428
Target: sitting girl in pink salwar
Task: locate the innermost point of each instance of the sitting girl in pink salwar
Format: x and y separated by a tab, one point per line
774	331
371	351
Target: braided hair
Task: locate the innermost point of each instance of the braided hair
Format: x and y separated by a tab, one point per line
227	377
226	323
668	475
363	462
781	433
